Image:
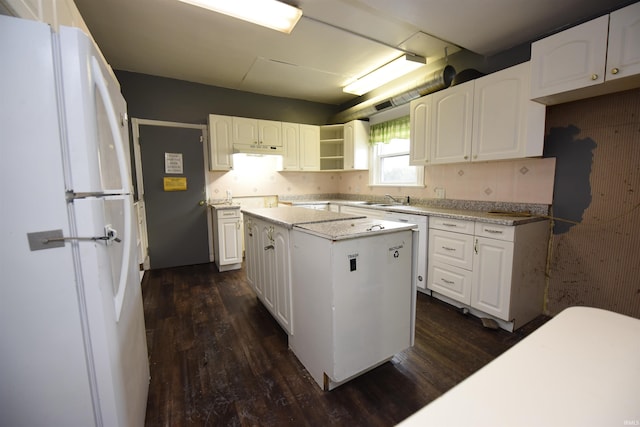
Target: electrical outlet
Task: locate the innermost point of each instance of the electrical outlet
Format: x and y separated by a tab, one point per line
440	193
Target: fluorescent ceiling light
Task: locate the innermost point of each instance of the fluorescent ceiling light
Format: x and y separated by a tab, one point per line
268	13
388	72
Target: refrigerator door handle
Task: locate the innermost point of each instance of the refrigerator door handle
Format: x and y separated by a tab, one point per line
101	84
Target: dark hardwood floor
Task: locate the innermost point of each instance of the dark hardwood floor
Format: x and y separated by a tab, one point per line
218	358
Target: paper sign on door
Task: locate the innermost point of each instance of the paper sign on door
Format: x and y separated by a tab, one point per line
175	183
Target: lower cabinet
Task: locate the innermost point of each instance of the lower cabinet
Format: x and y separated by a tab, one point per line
227	238
491	269
268	267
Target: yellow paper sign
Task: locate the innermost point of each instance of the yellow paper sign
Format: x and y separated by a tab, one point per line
175	183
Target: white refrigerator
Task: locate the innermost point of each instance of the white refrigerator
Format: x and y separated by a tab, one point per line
72	336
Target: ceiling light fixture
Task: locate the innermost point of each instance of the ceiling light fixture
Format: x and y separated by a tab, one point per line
268	13
388	72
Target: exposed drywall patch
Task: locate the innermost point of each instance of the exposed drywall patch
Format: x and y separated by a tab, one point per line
572	190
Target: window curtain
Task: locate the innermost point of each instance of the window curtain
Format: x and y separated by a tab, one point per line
386	131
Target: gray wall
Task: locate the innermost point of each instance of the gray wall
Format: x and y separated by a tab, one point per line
159	98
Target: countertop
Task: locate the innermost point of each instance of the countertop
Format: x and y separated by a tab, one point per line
579	369
354	228
290	216
470	215
221	206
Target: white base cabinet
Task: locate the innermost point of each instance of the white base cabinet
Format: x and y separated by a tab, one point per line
268	267
227	238
495	270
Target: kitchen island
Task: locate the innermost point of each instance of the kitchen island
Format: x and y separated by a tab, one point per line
339	284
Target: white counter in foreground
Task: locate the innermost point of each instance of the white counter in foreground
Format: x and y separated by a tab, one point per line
582	368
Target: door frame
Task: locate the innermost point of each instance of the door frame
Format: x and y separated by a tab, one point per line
137	158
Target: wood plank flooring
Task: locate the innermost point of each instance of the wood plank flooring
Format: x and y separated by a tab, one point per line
218	358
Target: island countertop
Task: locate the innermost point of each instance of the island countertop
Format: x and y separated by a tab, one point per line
290	216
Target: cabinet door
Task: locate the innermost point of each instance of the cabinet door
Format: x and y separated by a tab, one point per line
499	114
356	145
267	265
270	132
282	279
572	59
452	124
229	241
245	131
420	140
309	148
492	268
251	243
220	143
623	52
291	146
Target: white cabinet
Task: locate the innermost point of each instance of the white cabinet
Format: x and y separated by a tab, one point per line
490	118
356	145
251	248
249	132
506	123
370	213
227	238
268	267
452	124
220	143
590	59
420	113
419	269
344	146
301	145
491	269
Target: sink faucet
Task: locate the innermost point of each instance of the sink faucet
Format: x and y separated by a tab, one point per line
397	200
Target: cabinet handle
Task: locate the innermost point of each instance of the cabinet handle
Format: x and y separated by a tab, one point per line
475	247
594	77
446	248
615	71
266	248
448	224
238	225
488	230
448	282
466	157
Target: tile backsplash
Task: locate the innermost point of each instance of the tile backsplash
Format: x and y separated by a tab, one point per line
517	181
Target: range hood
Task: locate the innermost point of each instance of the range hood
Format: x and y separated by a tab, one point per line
258	148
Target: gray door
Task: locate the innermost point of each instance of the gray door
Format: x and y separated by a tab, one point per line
176	219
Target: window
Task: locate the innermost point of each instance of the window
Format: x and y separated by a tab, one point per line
390	154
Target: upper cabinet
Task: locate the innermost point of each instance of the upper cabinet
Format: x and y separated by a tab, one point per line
252	132
490	118
220	143
301	144
344	146
597	57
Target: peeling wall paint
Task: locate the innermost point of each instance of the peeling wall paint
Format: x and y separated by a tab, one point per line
572	190
596	262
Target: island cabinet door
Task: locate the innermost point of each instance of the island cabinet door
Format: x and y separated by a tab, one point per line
267	265
282	278
251	243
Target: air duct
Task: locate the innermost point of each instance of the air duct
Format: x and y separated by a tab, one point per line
435	81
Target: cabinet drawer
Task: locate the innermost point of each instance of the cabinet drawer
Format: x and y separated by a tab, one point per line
451	248
450	281
457	225
228	213
495	231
